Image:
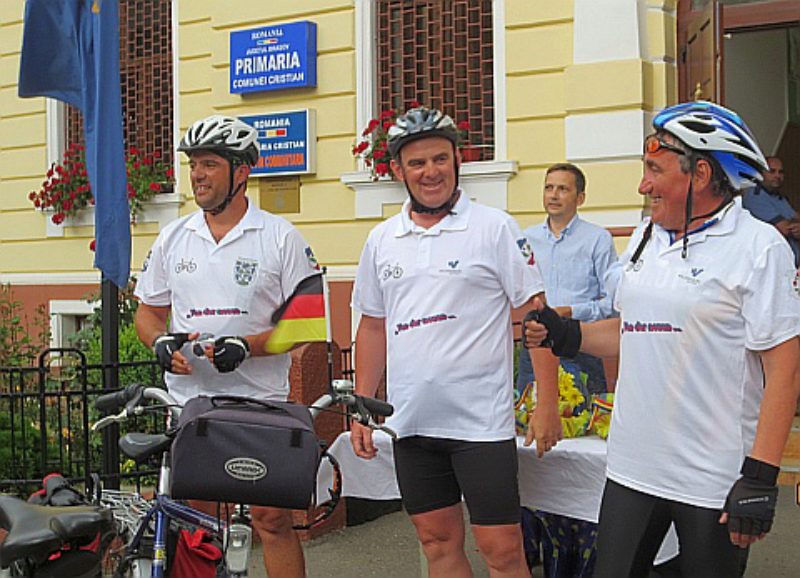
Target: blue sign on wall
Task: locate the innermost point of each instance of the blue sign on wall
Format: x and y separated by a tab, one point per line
286	142
273	57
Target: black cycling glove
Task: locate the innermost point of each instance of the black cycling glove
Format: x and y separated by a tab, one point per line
165	345
230	352
751	502
563	333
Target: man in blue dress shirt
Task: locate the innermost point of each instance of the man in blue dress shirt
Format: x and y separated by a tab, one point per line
573	256
767	204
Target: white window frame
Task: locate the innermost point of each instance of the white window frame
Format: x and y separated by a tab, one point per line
484	181
60	310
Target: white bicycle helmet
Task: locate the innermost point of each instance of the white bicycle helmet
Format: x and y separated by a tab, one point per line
719	132
223	135
419	123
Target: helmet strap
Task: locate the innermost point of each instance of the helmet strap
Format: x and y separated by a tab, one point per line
231	191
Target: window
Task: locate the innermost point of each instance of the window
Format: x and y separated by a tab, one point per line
440	53
67	317
145	76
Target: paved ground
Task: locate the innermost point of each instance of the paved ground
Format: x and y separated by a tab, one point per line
387	548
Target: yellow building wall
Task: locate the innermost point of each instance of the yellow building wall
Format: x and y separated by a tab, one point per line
543	87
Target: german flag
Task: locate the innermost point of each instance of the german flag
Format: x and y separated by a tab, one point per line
302	318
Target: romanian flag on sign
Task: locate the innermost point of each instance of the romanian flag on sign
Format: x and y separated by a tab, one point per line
302	318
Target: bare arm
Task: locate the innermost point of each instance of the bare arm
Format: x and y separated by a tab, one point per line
779	402
544	424
150	322
370	365
601	338
784	227
370	354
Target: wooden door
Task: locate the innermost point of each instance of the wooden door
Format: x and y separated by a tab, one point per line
701	55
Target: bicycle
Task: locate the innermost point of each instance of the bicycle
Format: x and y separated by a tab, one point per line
137	548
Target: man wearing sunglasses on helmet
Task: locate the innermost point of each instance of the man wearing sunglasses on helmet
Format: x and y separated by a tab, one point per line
707	339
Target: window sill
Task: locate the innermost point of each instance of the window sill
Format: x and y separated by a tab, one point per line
161	209
485	182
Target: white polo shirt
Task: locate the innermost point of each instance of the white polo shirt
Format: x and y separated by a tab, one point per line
226	288
446	294
691	381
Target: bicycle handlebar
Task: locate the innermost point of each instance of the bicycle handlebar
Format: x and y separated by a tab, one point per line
361	408
131	398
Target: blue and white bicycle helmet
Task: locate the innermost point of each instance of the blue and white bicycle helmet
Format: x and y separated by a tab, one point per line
719	132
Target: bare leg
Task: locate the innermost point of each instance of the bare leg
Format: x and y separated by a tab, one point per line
501	548
283	554
441	533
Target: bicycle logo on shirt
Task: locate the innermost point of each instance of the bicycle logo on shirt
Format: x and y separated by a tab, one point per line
189	266
391	272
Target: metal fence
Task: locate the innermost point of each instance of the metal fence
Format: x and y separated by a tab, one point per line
46	412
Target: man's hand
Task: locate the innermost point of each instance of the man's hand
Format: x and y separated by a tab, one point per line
166	347
750	506
562	335
229	352
544	425
361	438
794	229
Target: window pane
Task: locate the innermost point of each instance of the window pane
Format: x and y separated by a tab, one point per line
440	53
145	77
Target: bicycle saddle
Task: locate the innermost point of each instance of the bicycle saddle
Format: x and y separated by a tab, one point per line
140	446
36	531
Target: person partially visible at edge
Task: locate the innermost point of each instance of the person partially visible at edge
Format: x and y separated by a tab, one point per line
435	287
224	270
709	303
767	203
573	256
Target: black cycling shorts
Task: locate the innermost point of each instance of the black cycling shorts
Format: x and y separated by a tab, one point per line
433	473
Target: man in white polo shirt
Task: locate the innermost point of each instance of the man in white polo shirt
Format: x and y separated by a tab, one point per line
224	270
710	314
435	287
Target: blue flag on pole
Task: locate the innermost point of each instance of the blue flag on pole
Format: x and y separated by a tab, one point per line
70	52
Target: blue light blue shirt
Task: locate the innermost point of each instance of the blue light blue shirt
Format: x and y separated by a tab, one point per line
771	208
573	266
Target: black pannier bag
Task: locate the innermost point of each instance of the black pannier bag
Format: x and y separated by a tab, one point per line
237	449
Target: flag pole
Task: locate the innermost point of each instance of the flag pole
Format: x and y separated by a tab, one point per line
328	341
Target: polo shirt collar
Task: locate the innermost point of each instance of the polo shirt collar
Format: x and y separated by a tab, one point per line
197	224
721	223
451	222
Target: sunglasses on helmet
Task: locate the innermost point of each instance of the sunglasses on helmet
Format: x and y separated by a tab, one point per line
653	144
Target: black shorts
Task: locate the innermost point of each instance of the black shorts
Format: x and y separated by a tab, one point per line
433	473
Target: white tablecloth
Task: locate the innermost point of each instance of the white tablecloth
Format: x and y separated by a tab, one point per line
567	481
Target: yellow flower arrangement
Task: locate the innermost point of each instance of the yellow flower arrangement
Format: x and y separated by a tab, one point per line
577	417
